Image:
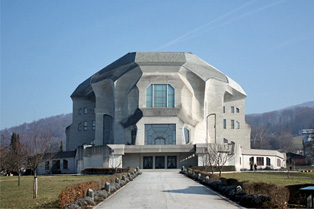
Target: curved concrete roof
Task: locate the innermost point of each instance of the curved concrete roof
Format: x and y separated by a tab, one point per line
134	59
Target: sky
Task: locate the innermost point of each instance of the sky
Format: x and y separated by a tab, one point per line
48	47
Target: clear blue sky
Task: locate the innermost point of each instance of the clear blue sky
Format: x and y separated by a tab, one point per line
48	47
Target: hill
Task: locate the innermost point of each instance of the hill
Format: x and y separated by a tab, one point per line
276	129
270	130
55	125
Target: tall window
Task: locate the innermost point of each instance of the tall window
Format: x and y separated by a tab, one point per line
224	109
47	165
85	110
65	164
85	126
238	110
232	109
267	161
79	126
260	160
238	125
225	123
160	95
94	125
80	111
187	135
232	124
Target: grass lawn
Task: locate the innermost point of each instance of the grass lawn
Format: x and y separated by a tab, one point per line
278	178
49	188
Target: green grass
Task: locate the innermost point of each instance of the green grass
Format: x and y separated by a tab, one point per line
49	188
278	178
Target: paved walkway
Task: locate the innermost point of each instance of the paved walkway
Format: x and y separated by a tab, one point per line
164	190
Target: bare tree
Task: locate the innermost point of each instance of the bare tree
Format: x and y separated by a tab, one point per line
39	143
16	156
115	161
208	158
220	154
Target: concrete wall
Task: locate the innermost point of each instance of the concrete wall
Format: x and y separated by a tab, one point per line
76	137
71	166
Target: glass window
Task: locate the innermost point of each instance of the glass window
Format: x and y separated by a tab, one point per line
65	164
85	110
187	135
267	161
232	109
278	163
80	111
94	125
260	160
170	96
160	95
225	123
232	124
85	126
94	110
149	96
133	136
238	125
225	140
238	110
160	134
47	165
224	109
79	126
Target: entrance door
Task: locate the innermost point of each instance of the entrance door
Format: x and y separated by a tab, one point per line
148	162
172	162
160	162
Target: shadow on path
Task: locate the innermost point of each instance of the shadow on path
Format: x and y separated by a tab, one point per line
191	190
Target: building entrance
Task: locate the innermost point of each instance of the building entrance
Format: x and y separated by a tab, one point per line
148	162
172	162
160	162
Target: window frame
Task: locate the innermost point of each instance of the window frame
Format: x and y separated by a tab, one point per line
85	126
232	109
167	96
93	125
65	164
260	161
232	124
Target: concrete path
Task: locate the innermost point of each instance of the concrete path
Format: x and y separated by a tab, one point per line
164	190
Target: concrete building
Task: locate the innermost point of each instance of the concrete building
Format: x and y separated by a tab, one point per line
159	111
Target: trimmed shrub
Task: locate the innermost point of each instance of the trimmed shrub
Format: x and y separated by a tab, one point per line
279	194
74	192
213	177
103	171
208	168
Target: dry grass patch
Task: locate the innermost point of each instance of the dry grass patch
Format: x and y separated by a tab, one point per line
49	188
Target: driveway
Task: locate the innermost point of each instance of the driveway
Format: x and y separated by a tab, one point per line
164	190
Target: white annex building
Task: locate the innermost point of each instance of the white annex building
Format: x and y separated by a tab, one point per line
160	111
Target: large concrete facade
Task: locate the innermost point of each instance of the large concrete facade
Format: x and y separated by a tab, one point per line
147	108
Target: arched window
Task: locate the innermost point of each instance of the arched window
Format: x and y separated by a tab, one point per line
187	135
160	141
160	95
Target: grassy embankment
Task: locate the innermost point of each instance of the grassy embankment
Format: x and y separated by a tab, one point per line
278	178
49	188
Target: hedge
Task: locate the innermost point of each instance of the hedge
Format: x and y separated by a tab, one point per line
209	169
104	171
74	192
